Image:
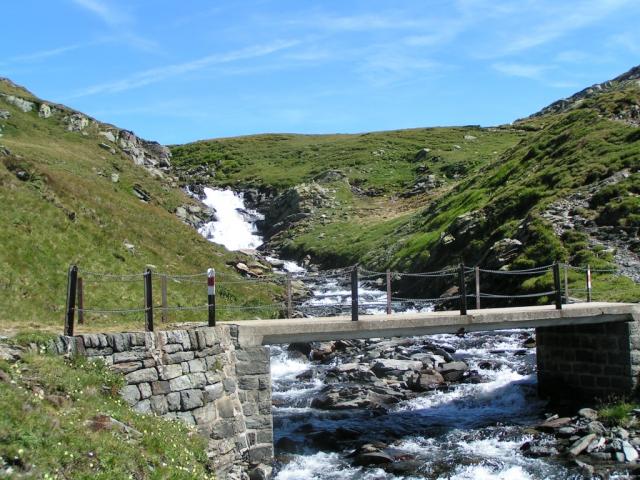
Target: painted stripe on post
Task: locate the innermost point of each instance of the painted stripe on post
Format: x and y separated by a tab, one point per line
211	281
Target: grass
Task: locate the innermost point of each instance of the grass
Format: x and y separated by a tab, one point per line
617	413
507	175
65	209
44	432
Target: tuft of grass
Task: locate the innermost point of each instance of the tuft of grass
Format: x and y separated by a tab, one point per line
45	432
617	414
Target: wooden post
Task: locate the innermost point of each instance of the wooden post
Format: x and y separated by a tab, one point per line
566	284
389	292
556	285
354	294
289	296
72	283
80	302
165	304
211	296
148	301
589	283
477	269
462	290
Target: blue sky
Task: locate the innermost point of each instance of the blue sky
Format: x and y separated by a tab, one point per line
177	71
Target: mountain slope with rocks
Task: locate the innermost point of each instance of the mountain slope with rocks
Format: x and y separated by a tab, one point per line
425	199
78	191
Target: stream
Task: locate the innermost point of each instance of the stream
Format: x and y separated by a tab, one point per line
472	428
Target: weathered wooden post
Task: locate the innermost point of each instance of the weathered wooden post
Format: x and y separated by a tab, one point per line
354	294
477	272
589	283
388	292
556	285
211	296
566	284
289	296
72	283
80	302
463	290
165	304
148	301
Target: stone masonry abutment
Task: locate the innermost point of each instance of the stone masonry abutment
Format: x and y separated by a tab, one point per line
200	376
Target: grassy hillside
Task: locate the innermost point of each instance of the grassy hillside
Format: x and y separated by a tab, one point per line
68	198
64	419
492	185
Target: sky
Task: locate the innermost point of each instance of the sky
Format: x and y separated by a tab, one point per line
179	71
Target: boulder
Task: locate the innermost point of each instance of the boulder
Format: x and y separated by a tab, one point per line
385	366
44	111
581	444
24	105
425	381
5	114
76	122
453	371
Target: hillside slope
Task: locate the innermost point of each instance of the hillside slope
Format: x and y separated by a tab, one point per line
77	191
559	186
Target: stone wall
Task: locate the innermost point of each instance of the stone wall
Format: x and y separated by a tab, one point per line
588	362
200	376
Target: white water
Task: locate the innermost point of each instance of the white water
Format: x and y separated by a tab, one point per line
232	229
471	432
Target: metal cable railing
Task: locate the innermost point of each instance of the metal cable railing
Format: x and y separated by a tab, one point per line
349	299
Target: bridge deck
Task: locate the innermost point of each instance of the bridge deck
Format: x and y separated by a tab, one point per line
264	332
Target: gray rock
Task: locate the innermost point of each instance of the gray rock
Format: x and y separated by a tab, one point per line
145	390
213	392
383	366
169	372
261	472
109	136
180	383
22	104
44	111
588	413
581	444
225	407
130	394
159	404
77	122
630	453
144	375
191	399
173	401
5	115
143	407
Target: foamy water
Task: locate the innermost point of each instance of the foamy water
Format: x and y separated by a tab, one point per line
232	230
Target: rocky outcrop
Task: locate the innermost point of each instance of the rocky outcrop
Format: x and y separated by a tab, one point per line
22	104
295	204
632	77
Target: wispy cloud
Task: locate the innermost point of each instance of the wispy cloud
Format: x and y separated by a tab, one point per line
560	20
48	53
159	74
106	12
521	70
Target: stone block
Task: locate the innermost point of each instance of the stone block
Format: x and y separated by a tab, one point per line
258	422
136	339
251	368
198	380
185	367
196	366
229	385
97	352
173	401
144	375
172	348
185	417
129	356
212	377
145	390
248	383
213	363
223	429
143	407
264	407
149	362
179	357
191	399
168	372
130	394
205	416
262	453
161	387
180	383
210	337
264	382
249	409
127	367
264	436
213	392
253	355
225	407
159	404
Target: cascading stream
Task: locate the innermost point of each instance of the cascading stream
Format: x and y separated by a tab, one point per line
471	430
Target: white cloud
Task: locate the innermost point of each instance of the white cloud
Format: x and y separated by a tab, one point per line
44	54
159	74
521	69
109	14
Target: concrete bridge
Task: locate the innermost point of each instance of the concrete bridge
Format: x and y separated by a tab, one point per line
218	378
